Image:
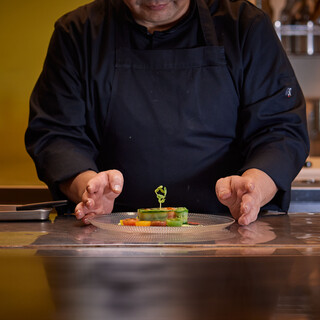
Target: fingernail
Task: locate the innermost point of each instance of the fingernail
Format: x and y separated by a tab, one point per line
117	188
89	203
223	194
78	214
244	221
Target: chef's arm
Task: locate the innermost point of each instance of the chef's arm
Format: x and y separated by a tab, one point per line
245	195
272	117
59	138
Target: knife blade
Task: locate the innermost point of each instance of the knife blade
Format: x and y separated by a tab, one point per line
42	205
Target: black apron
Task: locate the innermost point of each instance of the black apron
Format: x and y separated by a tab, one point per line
172	121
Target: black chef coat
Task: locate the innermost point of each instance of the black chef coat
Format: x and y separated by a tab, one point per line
69	127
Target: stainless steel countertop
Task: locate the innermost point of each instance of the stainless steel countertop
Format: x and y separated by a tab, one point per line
62	270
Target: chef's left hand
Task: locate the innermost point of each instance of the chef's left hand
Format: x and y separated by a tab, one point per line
245	195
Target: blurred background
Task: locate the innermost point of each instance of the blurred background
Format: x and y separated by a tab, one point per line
25	31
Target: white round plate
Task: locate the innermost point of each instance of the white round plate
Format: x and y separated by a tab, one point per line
207	223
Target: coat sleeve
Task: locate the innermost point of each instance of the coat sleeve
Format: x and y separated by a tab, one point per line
272	115
56	137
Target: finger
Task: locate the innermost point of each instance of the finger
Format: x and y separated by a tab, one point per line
246	209
243	187
248	217
223	188
249	208
106	181
249	187
84	208
247	203
89	204
96	184
79	211
116	181
87	217
244	220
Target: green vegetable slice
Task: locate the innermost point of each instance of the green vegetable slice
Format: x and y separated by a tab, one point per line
174	222
182	213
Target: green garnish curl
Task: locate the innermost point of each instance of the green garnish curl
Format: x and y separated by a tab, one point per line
161	193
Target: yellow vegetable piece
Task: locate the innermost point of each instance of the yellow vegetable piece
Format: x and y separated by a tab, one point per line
143	223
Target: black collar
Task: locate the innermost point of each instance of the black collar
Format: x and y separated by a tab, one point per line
126	14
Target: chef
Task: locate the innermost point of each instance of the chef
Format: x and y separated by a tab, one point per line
195	95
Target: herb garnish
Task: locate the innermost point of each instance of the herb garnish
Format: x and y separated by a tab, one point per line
161	193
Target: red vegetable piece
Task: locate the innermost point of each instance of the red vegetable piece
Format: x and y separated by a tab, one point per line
129	221
171	215
193	223
158	223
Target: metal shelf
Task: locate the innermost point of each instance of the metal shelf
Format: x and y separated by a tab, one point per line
308	33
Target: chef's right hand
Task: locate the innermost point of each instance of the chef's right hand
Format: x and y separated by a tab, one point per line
99	195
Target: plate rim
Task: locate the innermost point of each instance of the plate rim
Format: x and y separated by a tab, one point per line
138	229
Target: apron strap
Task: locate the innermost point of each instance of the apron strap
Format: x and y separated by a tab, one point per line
207	25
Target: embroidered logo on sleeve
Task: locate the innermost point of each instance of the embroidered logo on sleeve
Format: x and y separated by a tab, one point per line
289	92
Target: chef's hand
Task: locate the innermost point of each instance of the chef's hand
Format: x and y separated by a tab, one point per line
245	195
94	192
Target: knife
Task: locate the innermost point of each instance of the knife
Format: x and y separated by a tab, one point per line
42	205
